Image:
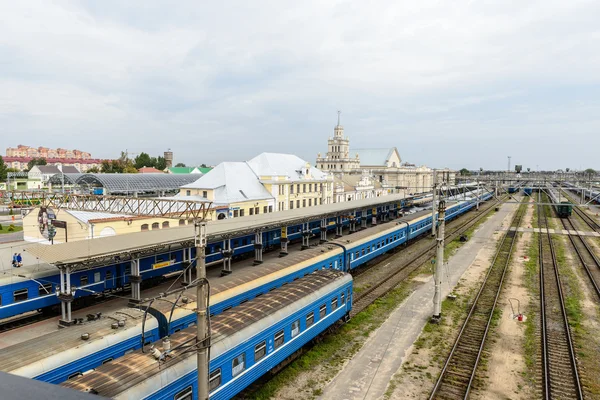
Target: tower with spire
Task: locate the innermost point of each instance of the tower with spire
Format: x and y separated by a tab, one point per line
338	158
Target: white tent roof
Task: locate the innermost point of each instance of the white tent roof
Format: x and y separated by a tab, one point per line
279	164
232	182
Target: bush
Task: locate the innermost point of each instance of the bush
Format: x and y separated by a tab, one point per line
1	227
11	228
10	212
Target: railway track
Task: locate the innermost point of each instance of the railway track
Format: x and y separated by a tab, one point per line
560	377
458	373
586	255
21	321
392	279
582	214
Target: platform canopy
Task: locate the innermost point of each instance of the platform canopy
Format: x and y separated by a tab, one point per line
128	183
69	179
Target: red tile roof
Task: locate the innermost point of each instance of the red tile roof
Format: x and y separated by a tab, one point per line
150	170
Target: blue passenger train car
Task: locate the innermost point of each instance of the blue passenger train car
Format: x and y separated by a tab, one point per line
248	341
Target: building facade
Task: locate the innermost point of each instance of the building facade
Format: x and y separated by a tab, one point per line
382	165
267	183
18	157
45	152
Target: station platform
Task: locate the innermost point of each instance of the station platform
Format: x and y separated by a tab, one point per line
121	300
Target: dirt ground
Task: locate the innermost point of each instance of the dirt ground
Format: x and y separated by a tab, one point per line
585	333
415	379
505	364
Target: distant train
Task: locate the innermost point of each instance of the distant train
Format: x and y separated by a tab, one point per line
563	208
247	342
73	351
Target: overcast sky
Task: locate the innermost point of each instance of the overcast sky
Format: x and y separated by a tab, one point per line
449	83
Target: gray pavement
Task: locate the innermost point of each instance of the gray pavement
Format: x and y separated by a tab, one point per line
367	375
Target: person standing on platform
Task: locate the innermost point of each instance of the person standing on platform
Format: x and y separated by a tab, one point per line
14	260
19	260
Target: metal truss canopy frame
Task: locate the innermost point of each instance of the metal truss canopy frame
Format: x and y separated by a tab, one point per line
134	206
102	251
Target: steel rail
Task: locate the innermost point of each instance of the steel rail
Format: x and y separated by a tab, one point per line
444	377
580	255
417	260
548	391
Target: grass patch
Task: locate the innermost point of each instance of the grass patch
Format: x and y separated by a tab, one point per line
530	343
335	349
10	228
453	246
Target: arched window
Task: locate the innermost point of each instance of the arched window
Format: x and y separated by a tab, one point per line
181	222
155	225
145	227
165	224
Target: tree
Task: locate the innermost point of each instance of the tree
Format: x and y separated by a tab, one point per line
144	160
180	165
3	170
36	161
203	166
465	172
93	170
590	171
161	163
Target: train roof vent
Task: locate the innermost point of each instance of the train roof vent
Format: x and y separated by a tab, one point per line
185	299
114	325
121	323
85	336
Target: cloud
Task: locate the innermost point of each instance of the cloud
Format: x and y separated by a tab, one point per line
448	83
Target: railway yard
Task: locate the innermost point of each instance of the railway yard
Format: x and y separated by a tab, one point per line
339	306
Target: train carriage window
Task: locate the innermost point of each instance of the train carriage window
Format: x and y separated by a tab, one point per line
295	328
214	380
279	339
20	295
357	254
343	298
97	277
185	394
83	280
334	304
260	350
108	274
322	311
45	289
238	364
310	319
74	375
330	265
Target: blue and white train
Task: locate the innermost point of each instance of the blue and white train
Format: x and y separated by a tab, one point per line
33	288
247	342
68	355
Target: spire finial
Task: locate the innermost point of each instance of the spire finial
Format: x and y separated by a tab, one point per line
339	112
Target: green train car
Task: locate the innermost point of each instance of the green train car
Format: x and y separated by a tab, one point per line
564	209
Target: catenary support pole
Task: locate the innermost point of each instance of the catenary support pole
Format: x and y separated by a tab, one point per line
284	242
437	298
202	335
478	176
433	206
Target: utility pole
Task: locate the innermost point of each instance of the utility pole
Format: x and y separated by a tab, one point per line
437	298
433	227
202	334
508	165
478	176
